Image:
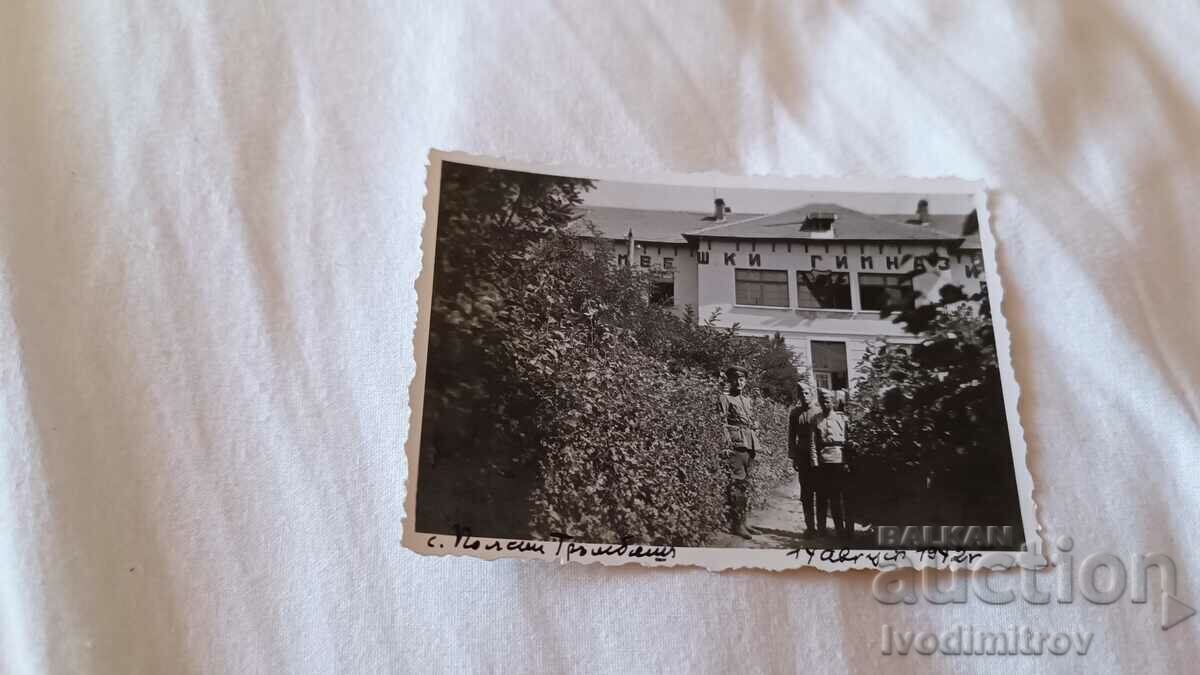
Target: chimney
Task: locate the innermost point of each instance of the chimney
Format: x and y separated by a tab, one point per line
719	209
923	212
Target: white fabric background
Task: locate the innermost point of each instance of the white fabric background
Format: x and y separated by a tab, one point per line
209	231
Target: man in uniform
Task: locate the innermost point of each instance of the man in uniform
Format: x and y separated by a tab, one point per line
831	458
741	447
801	451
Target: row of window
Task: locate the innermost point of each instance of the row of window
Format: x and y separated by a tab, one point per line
822	290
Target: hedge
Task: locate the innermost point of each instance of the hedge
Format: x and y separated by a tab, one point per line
636	454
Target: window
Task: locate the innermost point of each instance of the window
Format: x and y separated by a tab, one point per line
824	380
823	290
761	287
662	293
885	291
829	364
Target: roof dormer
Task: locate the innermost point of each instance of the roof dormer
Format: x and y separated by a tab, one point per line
819	224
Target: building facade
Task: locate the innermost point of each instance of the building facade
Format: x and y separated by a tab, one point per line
818	274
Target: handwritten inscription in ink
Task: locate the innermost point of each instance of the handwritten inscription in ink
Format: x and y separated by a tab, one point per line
566	549
562	547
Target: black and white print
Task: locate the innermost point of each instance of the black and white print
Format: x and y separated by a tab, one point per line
710	370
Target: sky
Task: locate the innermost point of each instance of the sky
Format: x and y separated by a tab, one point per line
742	200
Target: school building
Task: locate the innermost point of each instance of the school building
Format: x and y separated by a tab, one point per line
817	274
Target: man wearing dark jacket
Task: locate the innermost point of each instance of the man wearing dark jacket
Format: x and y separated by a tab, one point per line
801	450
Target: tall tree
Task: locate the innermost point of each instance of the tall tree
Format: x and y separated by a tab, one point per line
478	408
777	372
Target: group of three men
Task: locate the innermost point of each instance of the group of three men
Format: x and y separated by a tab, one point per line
817	446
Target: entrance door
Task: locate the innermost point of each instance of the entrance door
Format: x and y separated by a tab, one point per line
829	365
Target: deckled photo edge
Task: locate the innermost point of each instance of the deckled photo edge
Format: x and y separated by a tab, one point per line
713	559
1012	387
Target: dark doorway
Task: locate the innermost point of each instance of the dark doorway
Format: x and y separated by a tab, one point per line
829	365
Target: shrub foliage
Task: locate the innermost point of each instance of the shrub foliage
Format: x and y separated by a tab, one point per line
929	422
558	398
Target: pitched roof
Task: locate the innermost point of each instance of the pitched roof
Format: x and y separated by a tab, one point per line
849	225
650	225
958	225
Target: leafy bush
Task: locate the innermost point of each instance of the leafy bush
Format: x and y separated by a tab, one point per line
557	397
630	438
632	455
479	433
772	464
635	454
929	423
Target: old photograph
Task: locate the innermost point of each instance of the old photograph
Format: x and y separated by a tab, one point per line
734	368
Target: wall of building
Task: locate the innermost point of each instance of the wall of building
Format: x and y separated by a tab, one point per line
674	260
703	277
856	347
855	327
687	282
967	270
677	260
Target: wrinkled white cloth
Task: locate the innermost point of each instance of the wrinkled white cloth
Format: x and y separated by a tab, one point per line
209	236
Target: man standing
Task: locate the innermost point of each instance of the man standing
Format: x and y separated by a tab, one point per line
831	458
801	451
741	446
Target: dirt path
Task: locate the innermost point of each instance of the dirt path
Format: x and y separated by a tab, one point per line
779	524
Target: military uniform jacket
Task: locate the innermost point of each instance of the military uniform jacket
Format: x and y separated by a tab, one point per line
738	415
801	444
829	432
